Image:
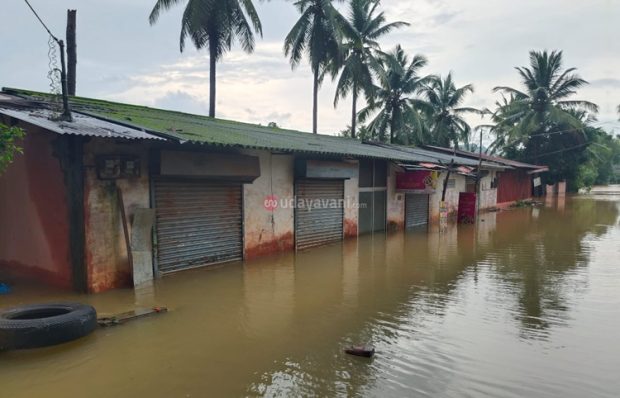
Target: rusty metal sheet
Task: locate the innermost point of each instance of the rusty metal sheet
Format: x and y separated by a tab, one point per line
81	125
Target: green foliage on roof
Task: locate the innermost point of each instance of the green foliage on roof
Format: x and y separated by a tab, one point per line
206	130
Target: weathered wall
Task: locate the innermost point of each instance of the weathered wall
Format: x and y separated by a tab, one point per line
488	195
106	259
265	231
34	220
270	231
351	201
452	195
395	202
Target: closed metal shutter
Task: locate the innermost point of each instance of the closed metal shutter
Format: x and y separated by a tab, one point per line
319	212
197	223
372	210
416	210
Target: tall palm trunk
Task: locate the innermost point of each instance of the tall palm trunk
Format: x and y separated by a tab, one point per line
212	65
354	112
392	128
315	101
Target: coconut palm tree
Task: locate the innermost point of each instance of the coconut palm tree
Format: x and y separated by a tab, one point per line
446	123
499	126
215	25
397	99
361	30
545	101
316	34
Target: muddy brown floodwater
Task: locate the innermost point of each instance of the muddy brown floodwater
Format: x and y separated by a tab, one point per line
526	305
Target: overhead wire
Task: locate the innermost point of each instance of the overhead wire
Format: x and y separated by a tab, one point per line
560	150
41	21
54	73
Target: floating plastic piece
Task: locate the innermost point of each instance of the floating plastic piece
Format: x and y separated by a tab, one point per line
4	288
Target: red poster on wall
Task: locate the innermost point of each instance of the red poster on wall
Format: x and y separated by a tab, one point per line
419	180
467	208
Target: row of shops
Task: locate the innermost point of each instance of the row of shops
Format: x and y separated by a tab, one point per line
123	194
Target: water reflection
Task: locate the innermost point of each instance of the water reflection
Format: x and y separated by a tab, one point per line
474	310
536	257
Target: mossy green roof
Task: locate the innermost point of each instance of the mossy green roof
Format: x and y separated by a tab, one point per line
186	127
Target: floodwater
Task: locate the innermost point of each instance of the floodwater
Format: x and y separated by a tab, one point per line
526	304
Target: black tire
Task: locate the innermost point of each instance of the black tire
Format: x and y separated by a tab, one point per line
42	325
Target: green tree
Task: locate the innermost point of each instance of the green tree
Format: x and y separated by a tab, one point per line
316	34
215	25
362	134
8	145
582	158
361	30
446	123
601	155
500	126
544	104
397	102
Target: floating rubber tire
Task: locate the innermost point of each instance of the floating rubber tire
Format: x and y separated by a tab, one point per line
42	325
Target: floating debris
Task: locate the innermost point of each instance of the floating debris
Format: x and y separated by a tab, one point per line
130	316
526	203
360	351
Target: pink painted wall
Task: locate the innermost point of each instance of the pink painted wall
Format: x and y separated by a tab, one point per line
34	221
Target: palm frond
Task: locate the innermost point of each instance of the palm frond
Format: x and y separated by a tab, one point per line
161	5
509	91
296	40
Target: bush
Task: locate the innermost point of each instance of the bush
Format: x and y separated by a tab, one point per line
8	145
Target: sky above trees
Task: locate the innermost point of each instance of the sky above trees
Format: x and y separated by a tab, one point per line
122	58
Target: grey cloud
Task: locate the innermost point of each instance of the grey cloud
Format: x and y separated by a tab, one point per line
182	102
444	17
279	117
606	83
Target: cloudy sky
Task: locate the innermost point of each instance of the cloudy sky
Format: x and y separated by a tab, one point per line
122	58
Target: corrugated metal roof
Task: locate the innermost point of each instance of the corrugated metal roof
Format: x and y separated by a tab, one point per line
186	127
439	157
496	159
81	124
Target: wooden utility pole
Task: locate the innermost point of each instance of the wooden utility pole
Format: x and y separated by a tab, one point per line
445	183
66	110
479	175
71	51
